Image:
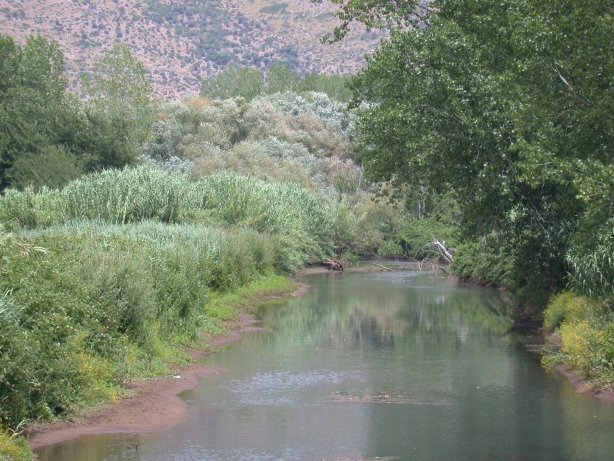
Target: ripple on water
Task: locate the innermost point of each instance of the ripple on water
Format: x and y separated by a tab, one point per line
280	388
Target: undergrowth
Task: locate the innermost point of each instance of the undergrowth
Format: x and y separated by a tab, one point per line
13	447
99	286
586	328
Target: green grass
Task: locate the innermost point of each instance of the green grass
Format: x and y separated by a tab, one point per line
298	221
249	296
224	308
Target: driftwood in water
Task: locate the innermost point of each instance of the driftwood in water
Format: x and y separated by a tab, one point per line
335	265
383	267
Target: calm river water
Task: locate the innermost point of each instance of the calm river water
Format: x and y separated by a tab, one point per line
397	365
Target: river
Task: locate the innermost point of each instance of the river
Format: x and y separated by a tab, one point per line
400	365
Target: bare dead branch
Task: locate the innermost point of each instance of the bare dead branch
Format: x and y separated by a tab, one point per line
439	248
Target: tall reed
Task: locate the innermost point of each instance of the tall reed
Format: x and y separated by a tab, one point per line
110	301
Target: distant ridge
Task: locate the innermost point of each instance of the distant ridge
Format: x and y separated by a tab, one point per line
181	41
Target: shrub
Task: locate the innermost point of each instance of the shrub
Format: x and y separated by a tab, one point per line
126	276
109	301
54	166
564	306
586	327
14	448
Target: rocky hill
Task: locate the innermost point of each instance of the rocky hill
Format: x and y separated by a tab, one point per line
181	41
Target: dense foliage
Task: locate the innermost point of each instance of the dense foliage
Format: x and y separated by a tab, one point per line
125	233
506	104
285	137
47	135
509	105
246	82
119	267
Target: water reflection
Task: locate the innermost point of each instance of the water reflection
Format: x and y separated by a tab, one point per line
381	310
399	365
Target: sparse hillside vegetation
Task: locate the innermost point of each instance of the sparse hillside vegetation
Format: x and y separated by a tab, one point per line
181	42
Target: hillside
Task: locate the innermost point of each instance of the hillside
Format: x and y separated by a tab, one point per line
181	41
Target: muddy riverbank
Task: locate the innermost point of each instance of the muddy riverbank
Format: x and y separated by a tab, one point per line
149	404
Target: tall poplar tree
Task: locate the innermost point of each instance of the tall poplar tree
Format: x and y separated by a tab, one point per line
508	103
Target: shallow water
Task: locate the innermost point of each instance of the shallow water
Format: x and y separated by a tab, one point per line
397	365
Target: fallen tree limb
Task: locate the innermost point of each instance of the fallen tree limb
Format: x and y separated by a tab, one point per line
439	248
383	267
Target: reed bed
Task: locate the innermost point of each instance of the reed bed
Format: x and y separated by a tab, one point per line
147	193
109	277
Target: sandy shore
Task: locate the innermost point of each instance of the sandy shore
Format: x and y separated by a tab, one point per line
152	404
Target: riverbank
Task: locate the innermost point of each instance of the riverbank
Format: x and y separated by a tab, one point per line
582	385
153	404
542	343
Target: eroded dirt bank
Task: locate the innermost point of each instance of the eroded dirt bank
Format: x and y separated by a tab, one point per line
582	386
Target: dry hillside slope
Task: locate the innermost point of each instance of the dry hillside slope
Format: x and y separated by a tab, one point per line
181	41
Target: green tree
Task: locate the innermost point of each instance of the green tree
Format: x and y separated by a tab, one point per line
377	14
508	104
52	166
232	82
281	79
119	88
49	136
32	102
335	86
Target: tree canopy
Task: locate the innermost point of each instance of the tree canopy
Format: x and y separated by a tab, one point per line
233	81
508	103
248	83
47	135
120	89
32	101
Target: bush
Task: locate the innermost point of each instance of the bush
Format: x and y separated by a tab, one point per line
14	448
134	260
282	137
109	302
586	327
54	166
377	222
564	306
